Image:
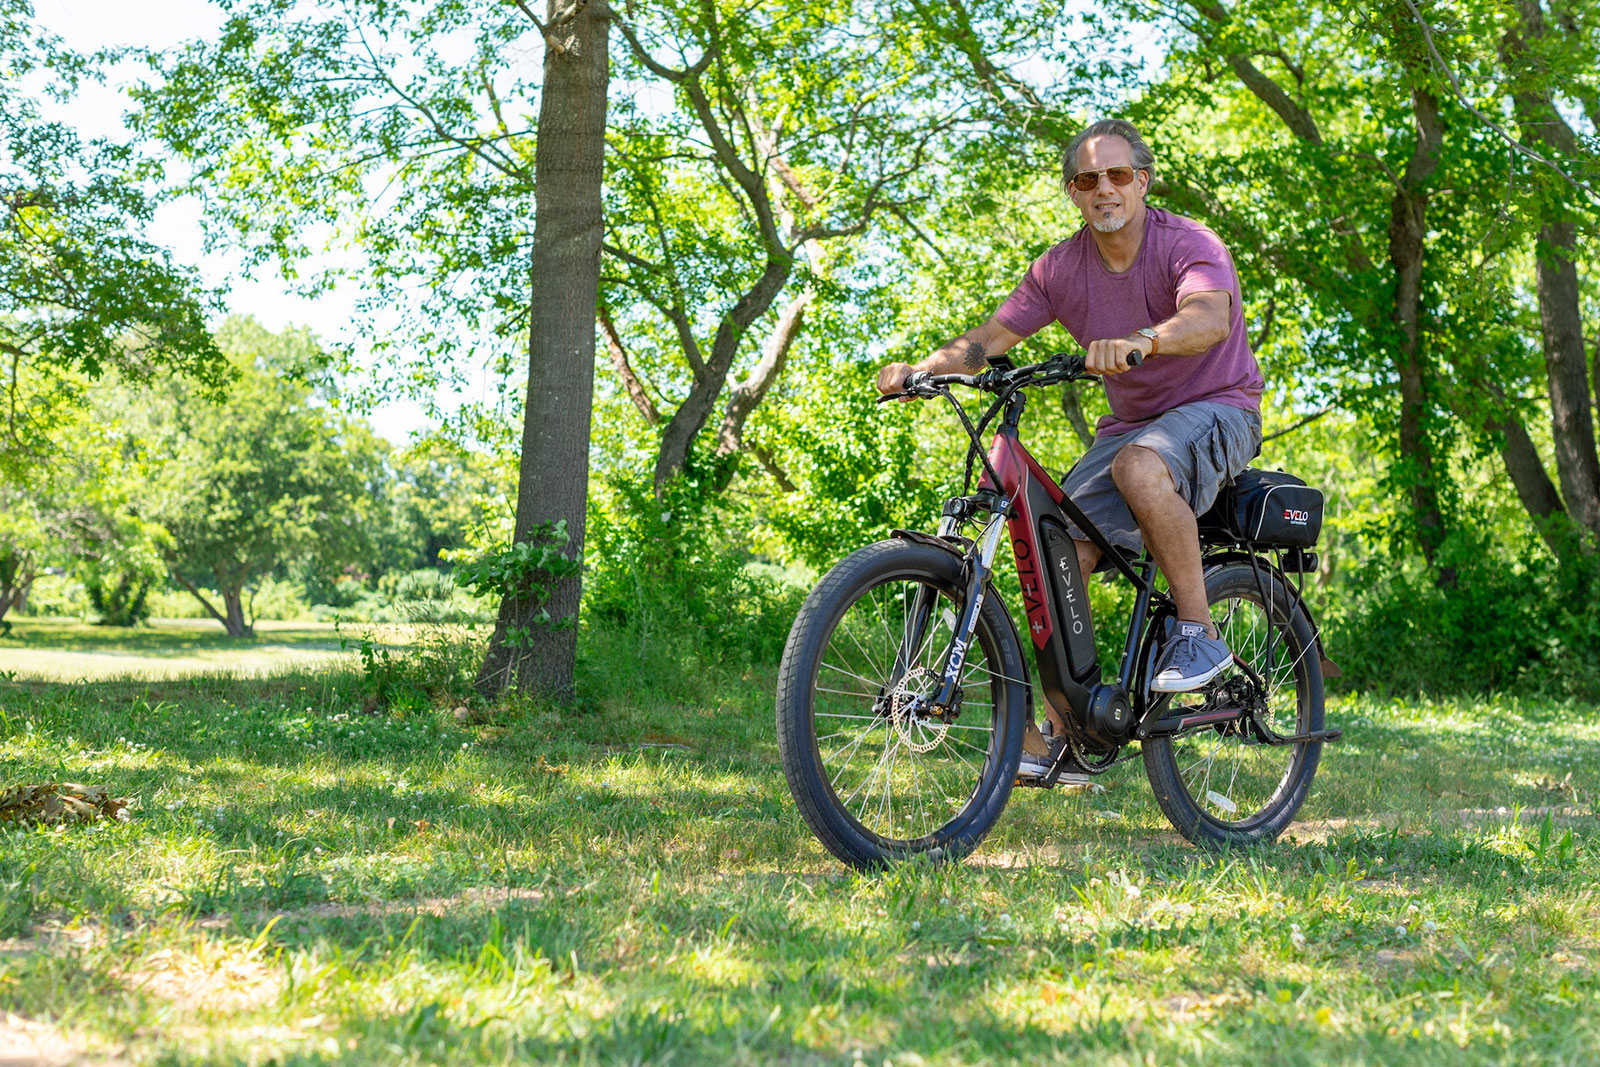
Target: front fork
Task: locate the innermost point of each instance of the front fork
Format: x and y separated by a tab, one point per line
921	615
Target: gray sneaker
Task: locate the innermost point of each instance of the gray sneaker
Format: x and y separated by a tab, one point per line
1033	770
1190	659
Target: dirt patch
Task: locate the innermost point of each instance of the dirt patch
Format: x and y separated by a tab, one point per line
1320	831
1534	813
226	984
1396	958
25	1043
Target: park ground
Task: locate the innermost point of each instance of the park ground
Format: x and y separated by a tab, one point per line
627	881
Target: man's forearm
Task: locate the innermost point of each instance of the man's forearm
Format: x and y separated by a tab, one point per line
1198	326
964	355
970	353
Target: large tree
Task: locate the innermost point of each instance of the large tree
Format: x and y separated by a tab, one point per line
259	478
552	489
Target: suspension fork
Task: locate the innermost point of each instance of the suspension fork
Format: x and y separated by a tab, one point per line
980	565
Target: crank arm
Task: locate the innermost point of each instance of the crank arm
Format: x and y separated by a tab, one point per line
1173	725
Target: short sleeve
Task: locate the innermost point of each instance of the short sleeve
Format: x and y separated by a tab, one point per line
1201	264
1027	310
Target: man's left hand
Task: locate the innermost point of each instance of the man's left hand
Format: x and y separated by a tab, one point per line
1110	356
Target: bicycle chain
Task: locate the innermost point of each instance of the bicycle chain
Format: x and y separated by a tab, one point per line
1084	760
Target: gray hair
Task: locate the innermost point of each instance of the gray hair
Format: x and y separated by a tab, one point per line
1142	158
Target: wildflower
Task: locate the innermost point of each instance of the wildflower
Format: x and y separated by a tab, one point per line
1297	939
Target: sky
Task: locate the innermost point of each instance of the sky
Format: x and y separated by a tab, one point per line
87	25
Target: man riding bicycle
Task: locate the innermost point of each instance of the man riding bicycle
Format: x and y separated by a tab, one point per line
1137	279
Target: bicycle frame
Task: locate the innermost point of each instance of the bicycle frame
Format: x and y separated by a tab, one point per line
1053	590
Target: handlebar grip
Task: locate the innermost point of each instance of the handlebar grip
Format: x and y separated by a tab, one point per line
1135	358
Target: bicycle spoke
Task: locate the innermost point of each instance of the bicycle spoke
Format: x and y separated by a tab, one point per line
841	670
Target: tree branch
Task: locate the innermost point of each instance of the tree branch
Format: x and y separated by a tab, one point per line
748	394
770	465
1308	420
181	580
619	362
1455	87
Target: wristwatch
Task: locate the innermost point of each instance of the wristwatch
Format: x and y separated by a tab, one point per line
1150	332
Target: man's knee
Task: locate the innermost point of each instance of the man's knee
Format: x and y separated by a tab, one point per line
1140	473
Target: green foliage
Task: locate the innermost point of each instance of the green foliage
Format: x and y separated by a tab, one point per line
666	573
527	570
1526	624
81	291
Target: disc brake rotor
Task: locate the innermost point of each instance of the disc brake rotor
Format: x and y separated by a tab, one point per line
918	731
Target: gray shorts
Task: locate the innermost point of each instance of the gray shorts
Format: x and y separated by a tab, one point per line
1204	445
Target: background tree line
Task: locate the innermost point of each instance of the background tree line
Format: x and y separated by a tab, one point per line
687	232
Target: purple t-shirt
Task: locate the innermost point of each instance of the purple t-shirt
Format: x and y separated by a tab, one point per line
1070	284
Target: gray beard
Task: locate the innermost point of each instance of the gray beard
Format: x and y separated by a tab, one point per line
1110	225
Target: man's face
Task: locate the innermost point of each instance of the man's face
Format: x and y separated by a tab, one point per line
1109	207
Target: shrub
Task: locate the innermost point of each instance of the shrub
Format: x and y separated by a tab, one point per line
1529	622
439	667
665	572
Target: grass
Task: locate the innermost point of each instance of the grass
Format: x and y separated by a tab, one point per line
626	881
66	650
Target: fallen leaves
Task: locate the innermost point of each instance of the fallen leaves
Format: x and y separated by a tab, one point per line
52	804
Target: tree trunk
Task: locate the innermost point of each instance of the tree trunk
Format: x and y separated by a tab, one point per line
233	608
1556	277
1072	406
1561	323
564	277
225	620
1406	245
1528	476
15	577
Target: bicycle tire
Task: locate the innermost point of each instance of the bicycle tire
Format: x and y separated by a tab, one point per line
844	615
1260	805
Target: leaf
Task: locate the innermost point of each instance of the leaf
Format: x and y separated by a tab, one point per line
51	804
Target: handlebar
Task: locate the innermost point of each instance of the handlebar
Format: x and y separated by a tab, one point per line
1061	367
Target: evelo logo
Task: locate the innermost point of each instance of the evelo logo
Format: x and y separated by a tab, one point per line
1297	516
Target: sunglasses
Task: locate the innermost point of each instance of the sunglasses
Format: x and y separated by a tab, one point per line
1086	181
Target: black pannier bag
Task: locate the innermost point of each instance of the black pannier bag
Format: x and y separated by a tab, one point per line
1268	508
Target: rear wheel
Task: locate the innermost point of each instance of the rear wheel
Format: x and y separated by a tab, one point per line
1221	785
876	773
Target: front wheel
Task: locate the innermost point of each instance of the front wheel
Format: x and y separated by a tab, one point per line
1221	785
877	775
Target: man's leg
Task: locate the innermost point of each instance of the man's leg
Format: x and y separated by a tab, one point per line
1169	527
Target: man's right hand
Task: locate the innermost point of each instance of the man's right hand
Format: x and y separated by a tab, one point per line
892	378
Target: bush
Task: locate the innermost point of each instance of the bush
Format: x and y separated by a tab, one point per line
440	667
57	596
664	571
1527	622
118	595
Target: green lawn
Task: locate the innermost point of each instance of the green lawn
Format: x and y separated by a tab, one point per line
628	882
68	651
